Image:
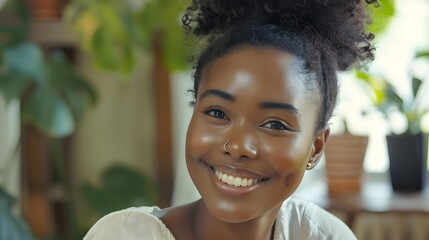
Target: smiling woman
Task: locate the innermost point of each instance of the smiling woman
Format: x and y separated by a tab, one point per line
265	87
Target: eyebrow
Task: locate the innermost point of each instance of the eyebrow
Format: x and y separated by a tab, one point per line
277	105
218	93
263	105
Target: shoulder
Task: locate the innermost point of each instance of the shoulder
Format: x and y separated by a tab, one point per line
130	224
312	221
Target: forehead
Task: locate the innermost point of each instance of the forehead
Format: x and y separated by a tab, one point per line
261	71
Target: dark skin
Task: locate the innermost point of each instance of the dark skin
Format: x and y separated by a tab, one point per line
253	98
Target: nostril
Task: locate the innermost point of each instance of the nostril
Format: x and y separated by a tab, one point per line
243	151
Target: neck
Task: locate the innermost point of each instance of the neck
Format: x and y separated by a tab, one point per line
208	227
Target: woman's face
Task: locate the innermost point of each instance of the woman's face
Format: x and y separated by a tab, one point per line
255	100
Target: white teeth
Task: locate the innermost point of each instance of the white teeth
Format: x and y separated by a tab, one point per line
244	182
235	181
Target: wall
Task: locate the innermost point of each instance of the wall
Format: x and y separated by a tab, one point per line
119	129
9	137
184	189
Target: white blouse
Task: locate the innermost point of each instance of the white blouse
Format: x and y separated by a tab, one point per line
297	219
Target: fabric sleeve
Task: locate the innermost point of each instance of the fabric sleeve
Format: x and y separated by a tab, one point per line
129	224
324	225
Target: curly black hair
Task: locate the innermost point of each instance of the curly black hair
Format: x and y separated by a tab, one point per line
328	35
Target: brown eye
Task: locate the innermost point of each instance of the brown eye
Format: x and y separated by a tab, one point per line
217	113
276	125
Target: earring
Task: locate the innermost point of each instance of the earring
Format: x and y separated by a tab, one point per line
224	147
309	166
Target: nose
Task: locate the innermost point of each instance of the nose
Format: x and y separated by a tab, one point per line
241	144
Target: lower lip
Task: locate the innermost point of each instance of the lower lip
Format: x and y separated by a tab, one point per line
231	190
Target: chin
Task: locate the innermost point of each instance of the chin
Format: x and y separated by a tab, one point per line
229	214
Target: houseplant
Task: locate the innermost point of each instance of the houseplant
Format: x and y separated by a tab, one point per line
121	187
345	151
53	95
407	147
114	31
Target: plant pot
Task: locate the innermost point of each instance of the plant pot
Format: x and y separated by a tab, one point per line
45	9
344	163
407	156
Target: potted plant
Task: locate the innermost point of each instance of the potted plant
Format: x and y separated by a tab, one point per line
344	154
345	151
53	96
407	147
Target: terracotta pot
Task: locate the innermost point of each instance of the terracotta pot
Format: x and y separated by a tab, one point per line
344	163
45	9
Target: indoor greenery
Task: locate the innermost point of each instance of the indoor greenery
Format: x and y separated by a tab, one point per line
382	12
388	100
11	226
113	31
53	95
121	187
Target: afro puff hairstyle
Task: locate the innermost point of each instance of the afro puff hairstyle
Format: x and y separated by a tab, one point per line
328	35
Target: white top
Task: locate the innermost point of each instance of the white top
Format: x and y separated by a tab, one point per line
297	219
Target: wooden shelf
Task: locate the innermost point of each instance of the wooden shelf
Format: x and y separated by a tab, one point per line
52	33
376	196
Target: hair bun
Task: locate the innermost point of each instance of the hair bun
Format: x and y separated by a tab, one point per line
339	23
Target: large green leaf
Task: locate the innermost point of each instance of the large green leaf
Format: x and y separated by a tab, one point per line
11	227
25	58
56	104
175	53
48	111
121	187
72	87
117	31
382	13
22	66
13	85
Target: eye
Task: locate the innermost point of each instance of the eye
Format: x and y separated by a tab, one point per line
276	125
216	113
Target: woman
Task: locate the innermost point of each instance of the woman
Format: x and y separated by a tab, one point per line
265	88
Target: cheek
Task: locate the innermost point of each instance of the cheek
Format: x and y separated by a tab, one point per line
201	138
290	156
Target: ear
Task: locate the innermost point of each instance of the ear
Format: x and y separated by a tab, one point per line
317	148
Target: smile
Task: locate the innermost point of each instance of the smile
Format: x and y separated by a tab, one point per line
236	181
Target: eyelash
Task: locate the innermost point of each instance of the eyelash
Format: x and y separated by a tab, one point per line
213	111
281	126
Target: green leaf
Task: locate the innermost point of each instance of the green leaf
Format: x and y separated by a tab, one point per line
393	97
112	53
73	88
11	227
122	187
96	199
45	109
13	85
362	75
416	83
423	54
382	14
13	32
26	59
174	52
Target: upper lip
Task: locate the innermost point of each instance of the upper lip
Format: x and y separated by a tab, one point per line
238	171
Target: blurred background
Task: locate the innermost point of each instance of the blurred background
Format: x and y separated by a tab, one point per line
94	110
